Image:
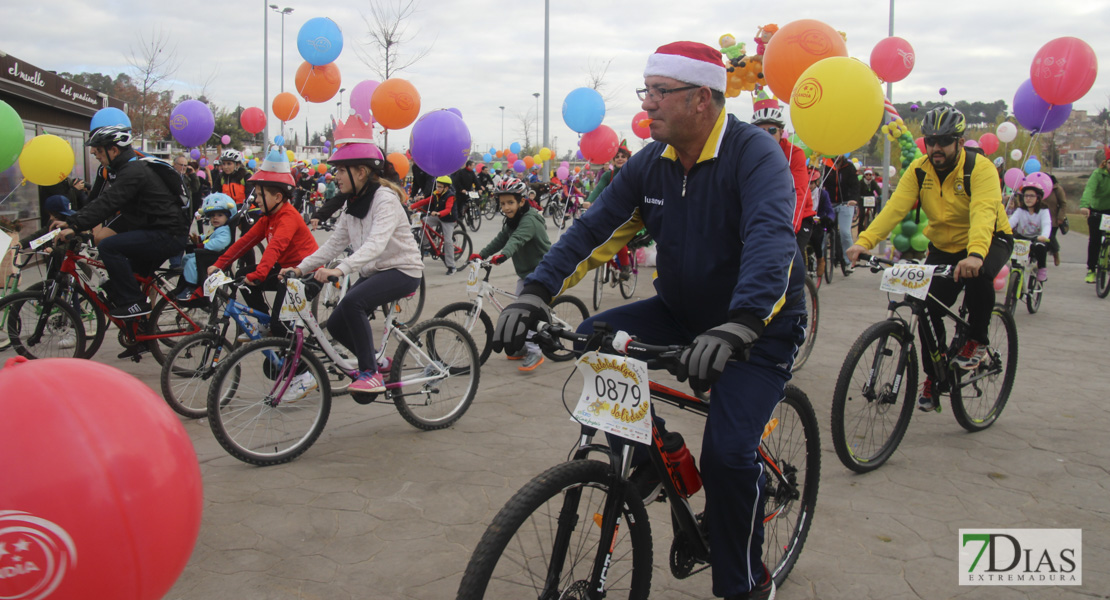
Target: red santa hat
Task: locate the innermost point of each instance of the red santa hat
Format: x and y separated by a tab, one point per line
692	62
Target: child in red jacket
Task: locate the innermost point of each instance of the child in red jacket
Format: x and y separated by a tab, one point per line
288	239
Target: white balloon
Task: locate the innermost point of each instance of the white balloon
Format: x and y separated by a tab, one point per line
1006	132
1016	154
893	171
321	188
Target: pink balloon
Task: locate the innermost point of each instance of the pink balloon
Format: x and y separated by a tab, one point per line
989	143
225	140
1000	280
1040	178
360	99
1013	177
892	59
1063	70
600	145
971	144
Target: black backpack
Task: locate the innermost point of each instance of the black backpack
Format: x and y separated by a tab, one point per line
175	183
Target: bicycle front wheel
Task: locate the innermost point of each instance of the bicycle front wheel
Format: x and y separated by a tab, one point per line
443	367
35	332
812	313
791	451
979	395
168	318
558	213
873	399
189	368
545	540
330	294
1013	292
476	322
275	409
1033	299
569	312
1102	271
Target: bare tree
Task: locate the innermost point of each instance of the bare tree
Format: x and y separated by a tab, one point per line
154	62
387	32
596	71
526	121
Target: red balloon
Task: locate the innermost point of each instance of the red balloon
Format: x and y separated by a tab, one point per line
102	491
253	120
1063	70
509	156
892	59
920	144
989	143
641	131
600	145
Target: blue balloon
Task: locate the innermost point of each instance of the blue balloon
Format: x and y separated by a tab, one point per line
583	109
514	147
109	116
279	140
320	41
253	164
1031	166
487	157
315	161
492	150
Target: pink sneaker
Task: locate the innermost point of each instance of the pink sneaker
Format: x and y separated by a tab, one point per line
368	382
1042	275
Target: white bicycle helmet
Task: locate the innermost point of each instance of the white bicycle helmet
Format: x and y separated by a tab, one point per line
511	185
232	155
110	135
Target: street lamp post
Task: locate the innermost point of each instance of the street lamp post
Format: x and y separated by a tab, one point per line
339	105
282	12
502	127
543	168
265	74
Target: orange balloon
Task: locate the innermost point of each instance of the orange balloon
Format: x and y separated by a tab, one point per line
286	106
499	153
321	169
577	169
395	103
317	84
795	48
529	162
400	163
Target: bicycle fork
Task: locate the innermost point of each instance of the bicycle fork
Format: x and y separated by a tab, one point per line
881	356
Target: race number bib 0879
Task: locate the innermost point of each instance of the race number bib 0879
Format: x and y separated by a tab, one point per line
909	279
615	396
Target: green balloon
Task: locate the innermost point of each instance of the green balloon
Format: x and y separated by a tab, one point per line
919	242
909	229
901	243
11	136
897	231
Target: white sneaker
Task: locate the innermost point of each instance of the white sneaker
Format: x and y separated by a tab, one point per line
68	341
245	337
300	387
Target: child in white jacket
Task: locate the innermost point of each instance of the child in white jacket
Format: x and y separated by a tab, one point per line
385	255
1033	222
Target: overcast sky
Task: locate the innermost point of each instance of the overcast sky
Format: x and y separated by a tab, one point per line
485	54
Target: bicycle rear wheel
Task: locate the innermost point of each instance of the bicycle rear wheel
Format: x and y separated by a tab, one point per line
791	451
812	314
166	318
873	399
62	335
979	395
1033	298
830	254
188	369
275	410
570	312
601	277
1102	271
407	310
445	351
95	322
476	322
545	540
628	286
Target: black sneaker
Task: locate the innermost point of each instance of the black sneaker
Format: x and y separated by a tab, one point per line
450	270
763	591
131	311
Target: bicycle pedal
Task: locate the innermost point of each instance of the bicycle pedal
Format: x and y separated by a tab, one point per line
364	398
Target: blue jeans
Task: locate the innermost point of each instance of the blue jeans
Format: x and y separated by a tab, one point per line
741	403
844	216
138	251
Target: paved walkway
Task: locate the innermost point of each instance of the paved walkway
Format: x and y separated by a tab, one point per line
377	509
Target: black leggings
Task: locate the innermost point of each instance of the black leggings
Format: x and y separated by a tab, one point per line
1094	242
349	323
978	291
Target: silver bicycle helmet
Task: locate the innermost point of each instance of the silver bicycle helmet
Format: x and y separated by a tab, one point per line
110	135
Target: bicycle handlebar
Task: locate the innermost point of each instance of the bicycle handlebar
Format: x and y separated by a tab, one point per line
612	342
876	264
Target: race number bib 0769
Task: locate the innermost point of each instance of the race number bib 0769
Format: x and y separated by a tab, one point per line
615	396
909	279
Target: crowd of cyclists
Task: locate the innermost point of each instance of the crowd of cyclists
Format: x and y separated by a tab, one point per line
735	301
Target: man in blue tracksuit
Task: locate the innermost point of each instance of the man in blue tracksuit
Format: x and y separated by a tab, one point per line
717	197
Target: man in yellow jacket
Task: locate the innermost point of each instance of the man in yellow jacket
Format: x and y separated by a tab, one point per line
968	228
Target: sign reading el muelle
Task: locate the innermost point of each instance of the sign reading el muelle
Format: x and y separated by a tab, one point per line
19	71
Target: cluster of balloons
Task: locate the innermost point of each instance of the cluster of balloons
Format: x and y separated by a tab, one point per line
745	72
910	233
583	111
910	150
319	42
516	162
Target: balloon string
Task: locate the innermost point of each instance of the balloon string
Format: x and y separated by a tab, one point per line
13	191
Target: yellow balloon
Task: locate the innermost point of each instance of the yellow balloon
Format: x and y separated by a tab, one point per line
545	153
289	154
46	160
837	105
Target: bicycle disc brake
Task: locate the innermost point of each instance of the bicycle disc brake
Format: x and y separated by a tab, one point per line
579	590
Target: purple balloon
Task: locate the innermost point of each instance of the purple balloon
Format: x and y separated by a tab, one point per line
440	143
192	123
1013	177
194	153
943	91
456	111
360	98
1035	114
580	156
519	166
203	162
